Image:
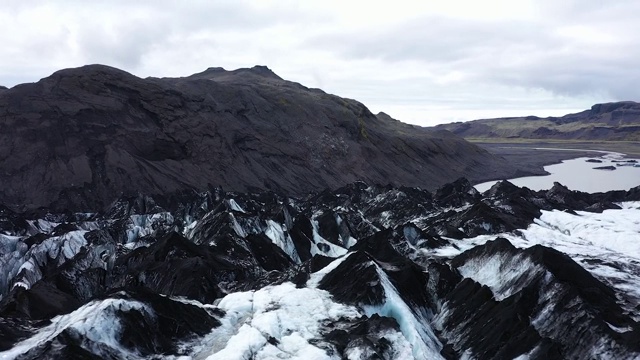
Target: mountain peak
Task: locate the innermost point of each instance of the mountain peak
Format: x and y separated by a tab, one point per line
609	107
258	70
103	132
383	115
264	71
90	70
219	73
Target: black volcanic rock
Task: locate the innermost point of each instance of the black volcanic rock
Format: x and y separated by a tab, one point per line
302	236
82	137
377	252
176	266
562	196
599	297
506	331
363	334
11	331
364	285
456	194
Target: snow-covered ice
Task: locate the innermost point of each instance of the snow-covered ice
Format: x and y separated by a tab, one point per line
96	321
607	244
504	275
290	315
277	234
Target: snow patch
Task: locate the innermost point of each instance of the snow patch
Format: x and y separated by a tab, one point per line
620	329
285	313
188	230
324	247
504	274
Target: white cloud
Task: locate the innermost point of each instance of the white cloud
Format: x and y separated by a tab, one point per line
421	62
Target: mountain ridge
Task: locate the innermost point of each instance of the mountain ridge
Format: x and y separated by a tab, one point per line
81	137
615	121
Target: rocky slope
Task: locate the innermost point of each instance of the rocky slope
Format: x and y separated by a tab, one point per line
82	137
618	121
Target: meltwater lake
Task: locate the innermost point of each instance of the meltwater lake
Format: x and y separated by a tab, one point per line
578	174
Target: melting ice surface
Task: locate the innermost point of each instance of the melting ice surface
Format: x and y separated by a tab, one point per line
612	238
294	317
280	322
97	321
511	269
414	326
578	174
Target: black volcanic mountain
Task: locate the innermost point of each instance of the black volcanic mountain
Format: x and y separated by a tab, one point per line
81	137
619	121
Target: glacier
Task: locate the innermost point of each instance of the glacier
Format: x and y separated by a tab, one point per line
356	273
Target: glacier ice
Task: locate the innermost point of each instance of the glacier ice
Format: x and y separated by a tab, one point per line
414	323
97	322
292	316
280	312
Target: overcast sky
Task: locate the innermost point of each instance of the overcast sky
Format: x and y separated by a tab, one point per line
423	62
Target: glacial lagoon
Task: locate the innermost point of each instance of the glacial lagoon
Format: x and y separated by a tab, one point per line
578	174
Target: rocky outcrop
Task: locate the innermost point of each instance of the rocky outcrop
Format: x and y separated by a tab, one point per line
82	137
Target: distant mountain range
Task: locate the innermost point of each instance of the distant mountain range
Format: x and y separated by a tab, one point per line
81	137
619	121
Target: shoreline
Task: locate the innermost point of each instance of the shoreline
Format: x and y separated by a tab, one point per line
531	157
631	148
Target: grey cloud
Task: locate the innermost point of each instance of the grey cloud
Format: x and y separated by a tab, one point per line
122	33
430	39
121	47
504	63
128	39
576	75
529	54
